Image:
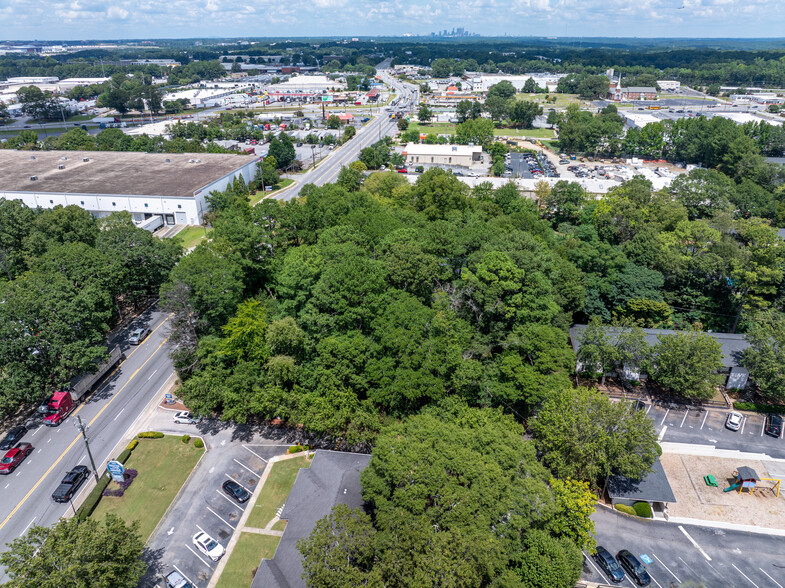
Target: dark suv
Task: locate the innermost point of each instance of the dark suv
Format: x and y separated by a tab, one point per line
70	484
608	565
12	437
774	425
633	567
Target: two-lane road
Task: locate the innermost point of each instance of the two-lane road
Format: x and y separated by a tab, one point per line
108	412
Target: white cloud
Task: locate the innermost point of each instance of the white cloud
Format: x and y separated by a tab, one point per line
117	12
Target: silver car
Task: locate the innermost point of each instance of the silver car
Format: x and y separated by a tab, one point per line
138	335
734	420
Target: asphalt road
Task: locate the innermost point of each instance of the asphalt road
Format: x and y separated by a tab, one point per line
108	412
327	170
686	555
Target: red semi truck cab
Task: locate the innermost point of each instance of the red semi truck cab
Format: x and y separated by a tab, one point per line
60	405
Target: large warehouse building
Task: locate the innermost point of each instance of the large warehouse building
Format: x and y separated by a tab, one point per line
172	186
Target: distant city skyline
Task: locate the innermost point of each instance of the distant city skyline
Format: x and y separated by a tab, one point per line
135	19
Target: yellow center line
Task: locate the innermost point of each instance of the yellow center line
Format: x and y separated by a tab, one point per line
70	446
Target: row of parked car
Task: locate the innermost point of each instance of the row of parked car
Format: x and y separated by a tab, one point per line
773	425
623	562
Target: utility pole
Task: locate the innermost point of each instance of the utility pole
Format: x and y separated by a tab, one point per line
83	430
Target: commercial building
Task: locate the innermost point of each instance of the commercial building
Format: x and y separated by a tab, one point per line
332	479
619	94
667	85
173	186
442	155
482	83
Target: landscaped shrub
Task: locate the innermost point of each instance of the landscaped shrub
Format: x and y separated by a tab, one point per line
128	477
123	457
626	509
150	435
185	438
658	448
298	448
198	443
132	445
643	510
756	407
89	504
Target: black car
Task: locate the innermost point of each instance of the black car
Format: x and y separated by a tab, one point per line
70	484
236	491
12	437
608	565
633	567
774	425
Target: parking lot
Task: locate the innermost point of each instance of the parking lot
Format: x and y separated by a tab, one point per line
203	506
527	165
678	424
685	555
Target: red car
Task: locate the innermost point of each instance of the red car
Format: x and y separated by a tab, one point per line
403	170
13	457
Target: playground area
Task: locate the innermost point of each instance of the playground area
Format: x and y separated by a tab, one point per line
692	477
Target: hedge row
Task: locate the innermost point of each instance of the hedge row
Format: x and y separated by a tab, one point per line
756	407
298	448
150	435
626	509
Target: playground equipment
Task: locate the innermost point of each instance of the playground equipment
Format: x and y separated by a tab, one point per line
747	478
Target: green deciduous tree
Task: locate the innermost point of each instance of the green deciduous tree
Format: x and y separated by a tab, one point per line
765	357
687	364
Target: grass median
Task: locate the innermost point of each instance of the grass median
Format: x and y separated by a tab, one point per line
163	465
259	196
250	549
275	491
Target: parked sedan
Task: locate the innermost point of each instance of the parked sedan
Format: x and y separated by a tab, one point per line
734	420
138	335
774	425
633	567
209	546
14	457
13	436
609	565
185	418
236	491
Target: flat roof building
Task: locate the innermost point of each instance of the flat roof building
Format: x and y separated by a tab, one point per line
438	155
170	185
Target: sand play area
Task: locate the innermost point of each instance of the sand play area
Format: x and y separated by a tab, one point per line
696	500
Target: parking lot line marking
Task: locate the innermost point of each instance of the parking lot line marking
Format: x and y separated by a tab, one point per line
220	517
184	576
202	530
7	485
743	422
662	433
197	555
684	418
662	422
770	578
222	495
745	575
648	408
694	543
666	567
233	480
705	416
763	428
256	454
590	560
246	467
34	518
654	580
686	565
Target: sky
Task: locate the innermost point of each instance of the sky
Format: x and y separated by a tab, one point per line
150	19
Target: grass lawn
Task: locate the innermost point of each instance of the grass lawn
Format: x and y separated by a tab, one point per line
279	526
192	236
163	466
257	198
275	491
449	129
80	117
562	100
250	549
42	133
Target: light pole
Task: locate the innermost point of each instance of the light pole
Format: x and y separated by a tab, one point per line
82	429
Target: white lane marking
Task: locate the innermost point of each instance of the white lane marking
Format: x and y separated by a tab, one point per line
233	480
39	451
770	578
662	422
81	460
151	375
745	575
666	567
34	518
684	419
48	440
246	467
763	428
743	422
662	433
256	454
648	408
118	414
7	485
232	502
184	576
220	517
704	419
197	555
694	543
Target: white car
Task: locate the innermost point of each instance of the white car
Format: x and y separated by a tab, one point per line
185	418
733	422
209	546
